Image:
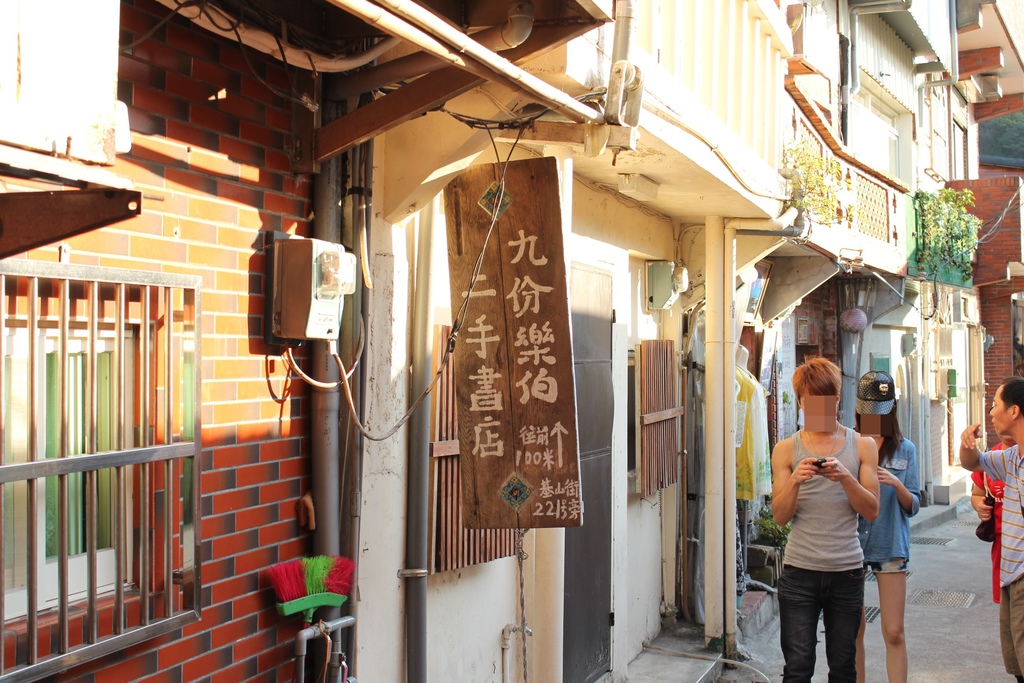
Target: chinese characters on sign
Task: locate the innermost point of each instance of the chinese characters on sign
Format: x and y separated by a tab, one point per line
515	389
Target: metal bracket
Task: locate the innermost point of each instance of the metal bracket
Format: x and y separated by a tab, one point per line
35	219
412	573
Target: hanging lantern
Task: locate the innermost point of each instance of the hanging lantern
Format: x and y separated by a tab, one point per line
853	320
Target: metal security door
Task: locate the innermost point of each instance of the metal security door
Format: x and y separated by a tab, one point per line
588	549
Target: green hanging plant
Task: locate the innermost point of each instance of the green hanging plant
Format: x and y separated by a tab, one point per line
947	233
816	181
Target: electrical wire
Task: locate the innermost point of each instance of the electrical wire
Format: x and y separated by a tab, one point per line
989	234
515	121
289	360
228	16
623	199
457	323
160	24
709	658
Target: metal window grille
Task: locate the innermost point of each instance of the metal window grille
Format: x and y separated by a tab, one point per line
99	462
872	216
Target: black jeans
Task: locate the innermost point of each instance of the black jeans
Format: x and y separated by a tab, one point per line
803	596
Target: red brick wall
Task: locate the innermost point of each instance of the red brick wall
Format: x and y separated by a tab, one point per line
996	316
209	157
830	330
1000	231
999	172
821	306
1001	243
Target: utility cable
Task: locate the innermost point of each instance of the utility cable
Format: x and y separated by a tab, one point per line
708	658
458	321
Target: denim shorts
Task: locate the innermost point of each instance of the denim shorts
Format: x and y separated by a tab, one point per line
893	566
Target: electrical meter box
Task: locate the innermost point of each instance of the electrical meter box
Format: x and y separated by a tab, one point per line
661	293
307	281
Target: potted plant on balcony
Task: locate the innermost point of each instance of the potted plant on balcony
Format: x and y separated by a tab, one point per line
816	182
947	234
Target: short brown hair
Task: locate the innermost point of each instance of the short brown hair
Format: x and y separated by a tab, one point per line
817	377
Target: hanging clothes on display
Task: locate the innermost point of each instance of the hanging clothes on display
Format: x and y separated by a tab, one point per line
753	460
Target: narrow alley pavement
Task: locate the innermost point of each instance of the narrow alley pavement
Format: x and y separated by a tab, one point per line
952	624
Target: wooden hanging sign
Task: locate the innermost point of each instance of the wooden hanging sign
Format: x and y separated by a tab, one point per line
515	387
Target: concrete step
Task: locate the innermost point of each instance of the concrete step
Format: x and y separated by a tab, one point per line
951	486
756	611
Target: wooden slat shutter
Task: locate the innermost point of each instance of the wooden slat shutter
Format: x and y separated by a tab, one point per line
658	419
454	546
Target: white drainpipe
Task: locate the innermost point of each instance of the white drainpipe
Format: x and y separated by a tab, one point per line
720	431
852	84
623	37
478	59
215	20
729	437
714	475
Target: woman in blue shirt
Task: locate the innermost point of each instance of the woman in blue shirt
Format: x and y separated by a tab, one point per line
886	540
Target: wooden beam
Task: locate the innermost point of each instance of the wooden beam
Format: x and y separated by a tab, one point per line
34	219
440	449
575	135
661	415
980	61
381	115
983	111
427	93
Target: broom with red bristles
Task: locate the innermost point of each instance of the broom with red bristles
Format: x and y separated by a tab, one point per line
309	583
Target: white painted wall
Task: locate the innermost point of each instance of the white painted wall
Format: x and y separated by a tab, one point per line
381	650
468	608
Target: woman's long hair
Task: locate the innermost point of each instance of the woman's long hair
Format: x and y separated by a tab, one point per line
889	443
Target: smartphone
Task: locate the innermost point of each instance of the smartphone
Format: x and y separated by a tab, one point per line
820	461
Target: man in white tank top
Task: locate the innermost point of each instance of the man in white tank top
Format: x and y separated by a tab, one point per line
822	478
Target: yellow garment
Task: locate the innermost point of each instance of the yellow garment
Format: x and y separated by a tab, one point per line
753	462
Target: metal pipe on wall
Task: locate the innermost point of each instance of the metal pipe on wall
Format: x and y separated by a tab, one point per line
714	506
516	29
418	447
467	54
852	84
325	403
352	440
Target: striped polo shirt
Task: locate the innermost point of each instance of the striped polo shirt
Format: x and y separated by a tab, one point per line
1006	466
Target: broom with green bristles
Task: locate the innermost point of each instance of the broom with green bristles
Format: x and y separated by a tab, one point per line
309	583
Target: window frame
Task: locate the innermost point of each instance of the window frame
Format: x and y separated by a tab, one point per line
157	455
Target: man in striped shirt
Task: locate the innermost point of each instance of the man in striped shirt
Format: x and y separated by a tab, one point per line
1008	420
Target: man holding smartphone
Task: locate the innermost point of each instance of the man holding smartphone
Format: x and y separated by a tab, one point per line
822	478
1005	465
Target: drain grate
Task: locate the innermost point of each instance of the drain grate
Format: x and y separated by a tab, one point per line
870	613
941	598
966	521
870	576
919	540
